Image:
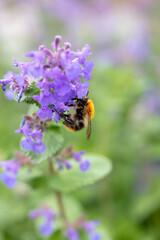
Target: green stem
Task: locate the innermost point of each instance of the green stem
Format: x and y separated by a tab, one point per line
58	195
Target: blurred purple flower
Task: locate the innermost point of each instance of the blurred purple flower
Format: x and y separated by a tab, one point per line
94	236
46	229
72	234
27	144
84	166
90	227
67	164
78	155
63	159
9	94
9	175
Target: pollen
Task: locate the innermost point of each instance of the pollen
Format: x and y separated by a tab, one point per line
90	108
69	128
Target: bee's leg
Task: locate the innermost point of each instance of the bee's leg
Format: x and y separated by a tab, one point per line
71	105
62	115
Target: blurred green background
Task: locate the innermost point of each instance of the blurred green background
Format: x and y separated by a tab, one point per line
124	37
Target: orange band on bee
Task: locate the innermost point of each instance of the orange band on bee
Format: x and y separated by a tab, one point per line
69	128
90	108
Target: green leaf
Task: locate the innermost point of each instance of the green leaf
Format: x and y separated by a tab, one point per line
69	180
28	94
53	140
72	179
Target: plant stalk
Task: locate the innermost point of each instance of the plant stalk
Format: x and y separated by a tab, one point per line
58	195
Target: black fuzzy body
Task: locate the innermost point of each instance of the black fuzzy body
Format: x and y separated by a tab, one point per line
77	120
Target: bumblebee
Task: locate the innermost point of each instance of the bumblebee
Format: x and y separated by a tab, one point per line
80	117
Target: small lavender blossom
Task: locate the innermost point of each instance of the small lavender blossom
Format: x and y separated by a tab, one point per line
84	166
38	147
89	226
46	229
11	167
9	94
72	234
67	164
17	82
32	127
63	159
78	155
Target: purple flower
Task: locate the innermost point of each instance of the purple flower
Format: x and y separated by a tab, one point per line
78	155
67	164
81	55
44	112
32	128
25	129
90	227
67	154
58	74
46	98
84	166
87	70
38	147
36	71
38	56
5	82
19	95
27	144
9	94
46	228
60	166
94	236
72	234
11	168
36	134
82	89
56	117
73	70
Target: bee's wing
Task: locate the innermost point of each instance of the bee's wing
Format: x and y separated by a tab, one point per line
88	133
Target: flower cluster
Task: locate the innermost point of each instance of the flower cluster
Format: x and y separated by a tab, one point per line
11	168
88	227
62	159
32	128
46	228
17	82
56	73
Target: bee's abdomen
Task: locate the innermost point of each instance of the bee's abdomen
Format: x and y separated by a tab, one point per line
76	125
79	125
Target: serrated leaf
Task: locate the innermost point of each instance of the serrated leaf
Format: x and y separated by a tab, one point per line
53	140
72	179
69	180
28	94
